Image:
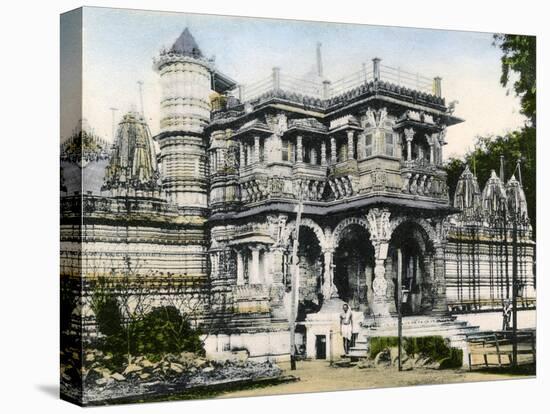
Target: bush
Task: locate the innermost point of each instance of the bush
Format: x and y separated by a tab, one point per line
379	343
108	317
433	347
452	361
164	331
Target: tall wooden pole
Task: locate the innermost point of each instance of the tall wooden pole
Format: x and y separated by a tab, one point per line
514	289
295	283
399	300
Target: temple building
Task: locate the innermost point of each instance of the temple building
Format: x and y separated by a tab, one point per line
357	163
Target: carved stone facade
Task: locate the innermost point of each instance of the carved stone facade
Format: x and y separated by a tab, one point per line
365	168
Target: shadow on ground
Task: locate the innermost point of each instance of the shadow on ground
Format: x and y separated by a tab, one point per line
51	390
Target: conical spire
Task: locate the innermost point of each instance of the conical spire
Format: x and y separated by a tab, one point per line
467	195
186	45
493	198
517	202
133	162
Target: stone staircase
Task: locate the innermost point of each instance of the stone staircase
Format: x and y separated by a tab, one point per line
415	326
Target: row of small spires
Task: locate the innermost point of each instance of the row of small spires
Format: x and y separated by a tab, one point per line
496	196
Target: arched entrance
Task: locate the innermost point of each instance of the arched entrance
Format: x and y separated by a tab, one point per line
417	267
310	264
354	266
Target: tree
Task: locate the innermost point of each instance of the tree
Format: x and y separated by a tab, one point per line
519	56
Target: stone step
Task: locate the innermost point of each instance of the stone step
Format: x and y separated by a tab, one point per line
391	331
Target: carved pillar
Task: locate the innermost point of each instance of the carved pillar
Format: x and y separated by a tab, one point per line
277	289
240	268
277	255
431	143
439	289
376	68
437	86
323	153
409	135
329	289
332	150
299	153
427	282
214	264
351	146
379	229
254	277
256	149
361	147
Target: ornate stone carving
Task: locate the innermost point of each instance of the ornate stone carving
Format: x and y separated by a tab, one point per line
374	119
379	284
277	123
379	224
409	134
306	222
338	231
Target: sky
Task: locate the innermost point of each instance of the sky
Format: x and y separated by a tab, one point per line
119	47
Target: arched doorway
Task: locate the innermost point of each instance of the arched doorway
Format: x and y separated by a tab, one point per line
354	266
416	267
310	268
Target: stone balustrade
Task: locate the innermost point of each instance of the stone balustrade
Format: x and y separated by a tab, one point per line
424	180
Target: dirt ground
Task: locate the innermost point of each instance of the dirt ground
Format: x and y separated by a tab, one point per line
318	376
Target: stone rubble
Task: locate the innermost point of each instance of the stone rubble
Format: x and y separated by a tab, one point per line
169	374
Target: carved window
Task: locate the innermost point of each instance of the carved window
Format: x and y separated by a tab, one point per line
313	156
287	150
388	139
368	145
342	152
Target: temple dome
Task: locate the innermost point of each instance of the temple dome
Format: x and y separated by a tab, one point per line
186	45
133	161
516	197
493	198
467	195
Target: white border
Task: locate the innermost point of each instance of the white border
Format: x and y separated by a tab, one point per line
29	202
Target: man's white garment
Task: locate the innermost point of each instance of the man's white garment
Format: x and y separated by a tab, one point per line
346	324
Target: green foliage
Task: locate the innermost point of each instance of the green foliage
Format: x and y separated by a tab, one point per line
164	330
454	167
379	343
486	157
520	56
433	347
106	308
454	360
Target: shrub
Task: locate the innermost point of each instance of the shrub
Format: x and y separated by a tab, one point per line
379	343
164	330
454	360
433	347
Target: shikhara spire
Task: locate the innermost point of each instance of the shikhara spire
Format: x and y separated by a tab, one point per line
133	161
467	195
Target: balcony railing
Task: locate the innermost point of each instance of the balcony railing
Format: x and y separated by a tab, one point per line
325	90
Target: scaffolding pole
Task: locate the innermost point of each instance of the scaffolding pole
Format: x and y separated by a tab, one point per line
295	283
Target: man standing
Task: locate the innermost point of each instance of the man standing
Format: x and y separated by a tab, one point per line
506	315
346	322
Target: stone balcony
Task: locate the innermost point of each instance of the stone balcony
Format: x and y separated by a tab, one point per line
344	168
424	179
344	180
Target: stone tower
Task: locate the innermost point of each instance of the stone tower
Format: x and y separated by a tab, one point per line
132	169
186	78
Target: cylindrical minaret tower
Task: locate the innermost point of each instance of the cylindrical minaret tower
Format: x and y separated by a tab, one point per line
185	77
